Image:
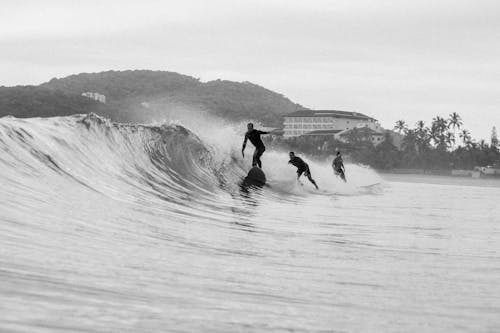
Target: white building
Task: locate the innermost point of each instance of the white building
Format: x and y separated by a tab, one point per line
305	121
94	95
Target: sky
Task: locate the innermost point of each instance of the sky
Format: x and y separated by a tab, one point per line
390	59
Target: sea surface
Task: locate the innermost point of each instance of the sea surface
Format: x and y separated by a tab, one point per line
125	228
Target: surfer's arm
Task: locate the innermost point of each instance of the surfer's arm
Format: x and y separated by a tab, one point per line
262	132
244	145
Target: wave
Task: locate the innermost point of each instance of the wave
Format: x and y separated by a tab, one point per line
126	162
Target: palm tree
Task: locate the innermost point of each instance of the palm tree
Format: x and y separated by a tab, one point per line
494	138
420	125
455	122
400	126
466	137
450	138
439	128
409	143
423	137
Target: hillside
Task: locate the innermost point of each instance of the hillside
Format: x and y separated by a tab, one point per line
32	101
120	85
126	90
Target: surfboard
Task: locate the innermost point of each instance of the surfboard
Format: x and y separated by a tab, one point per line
256	175
368	186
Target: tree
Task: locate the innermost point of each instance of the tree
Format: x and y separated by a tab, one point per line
400	126
420	125
455	122
439	128
494	138
422	137
450	139
466	137
409	143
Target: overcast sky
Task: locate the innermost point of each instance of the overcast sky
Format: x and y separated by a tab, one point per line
390	59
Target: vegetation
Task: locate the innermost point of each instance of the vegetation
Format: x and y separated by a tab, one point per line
125	91
437	147
31	101
434	147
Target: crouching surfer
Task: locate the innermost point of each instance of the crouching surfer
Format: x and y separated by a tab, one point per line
254	136
338	166
302	168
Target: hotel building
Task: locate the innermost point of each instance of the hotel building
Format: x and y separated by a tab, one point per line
96	96
325	121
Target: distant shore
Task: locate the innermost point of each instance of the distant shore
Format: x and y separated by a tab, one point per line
444	172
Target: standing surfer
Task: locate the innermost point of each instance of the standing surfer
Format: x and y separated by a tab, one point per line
302	167
254	136
338	166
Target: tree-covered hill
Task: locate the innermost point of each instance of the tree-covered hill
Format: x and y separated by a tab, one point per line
32	101
235	101
120	85
125	92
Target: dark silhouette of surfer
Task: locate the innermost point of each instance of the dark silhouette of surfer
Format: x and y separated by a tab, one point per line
254	136
338	166
302	168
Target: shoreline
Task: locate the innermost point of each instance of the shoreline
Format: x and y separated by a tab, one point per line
452	173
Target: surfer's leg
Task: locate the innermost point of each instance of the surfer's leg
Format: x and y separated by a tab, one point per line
308	175
257	154
299	173
255	158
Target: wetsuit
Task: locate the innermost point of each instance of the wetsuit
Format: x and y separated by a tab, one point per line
338	167
254	137
302	168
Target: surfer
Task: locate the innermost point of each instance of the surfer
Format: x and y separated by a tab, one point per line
254	136
338	166
302	167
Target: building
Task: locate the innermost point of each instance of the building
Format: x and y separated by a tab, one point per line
305	121
362	134
96	96
376	137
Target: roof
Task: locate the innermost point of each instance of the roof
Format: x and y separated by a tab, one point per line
323	132
362	130
329	113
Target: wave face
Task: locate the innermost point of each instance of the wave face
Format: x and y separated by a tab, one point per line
124	162
115	227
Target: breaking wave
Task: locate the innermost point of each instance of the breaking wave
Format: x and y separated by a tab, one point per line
126	162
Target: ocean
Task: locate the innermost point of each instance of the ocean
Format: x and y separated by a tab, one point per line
109	227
